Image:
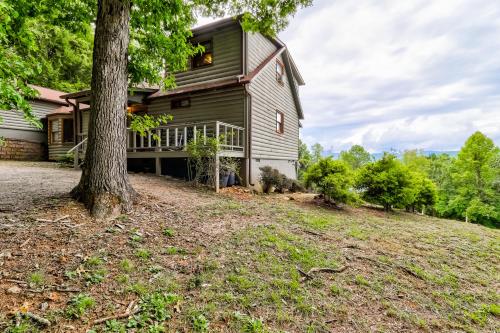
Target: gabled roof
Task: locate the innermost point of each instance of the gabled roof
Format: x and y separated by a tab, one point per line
49	95
293	74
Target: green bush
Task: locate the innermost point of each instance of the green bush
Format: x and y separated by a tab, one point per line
68	158
270	178
386	182
296	186
422	193
333	179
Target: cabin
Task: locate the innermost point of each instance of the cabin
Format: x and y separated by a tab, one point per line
22	141
243	87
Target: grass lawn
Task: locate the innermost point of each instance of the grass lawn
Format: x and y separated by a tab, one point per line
243	263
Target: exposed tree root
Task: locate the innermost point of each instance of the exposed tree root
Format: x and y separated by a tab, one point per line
309	274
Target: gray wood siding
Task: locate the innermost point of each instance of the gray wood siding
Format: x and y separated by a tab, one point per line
224	105
259	48
15	119
227	57
14	126
268	96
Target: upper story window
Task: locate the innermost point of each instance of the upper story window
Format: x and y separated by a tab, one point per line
280	72
206	57
180	103
280	122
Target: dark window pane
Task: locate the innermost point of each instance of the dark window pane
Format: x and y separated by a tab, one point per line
180	103
280	71
206	57
67	130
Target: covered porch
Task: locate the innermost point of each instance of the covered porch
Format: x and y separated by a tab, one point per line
173	140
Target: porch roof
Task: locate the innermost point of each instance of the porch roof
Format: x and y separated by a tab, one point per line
84	95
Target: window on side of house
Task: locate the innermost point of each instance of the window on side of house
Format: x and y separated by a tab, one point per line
55	131
68	130
280	122
180	103
206	57
280	72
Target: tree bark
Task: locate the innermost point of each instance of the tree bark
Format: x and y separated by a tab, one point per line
104	187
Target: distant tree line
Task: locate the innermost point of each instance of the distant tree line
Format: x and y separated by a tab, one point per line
465	187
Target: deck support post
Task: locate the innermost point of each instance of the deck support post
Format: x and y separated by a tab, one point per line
76	125
158	166
76	157
217	171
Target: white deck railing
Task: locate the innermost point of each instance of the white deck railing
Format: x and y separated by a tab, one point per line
176	137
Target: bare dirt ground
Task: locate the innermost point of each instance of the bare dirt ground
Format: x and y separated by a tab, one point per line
24	184
185	259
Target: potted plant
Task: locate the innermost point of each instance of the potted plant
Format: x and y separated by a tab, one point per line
224	177
231	166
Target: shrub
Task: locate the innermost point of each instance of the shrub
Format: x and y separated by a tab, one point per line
270	178
67	159
296	186
386	182
333	179
422	193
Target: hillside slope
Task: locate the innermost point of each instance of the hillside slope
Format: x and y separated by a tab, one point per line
189	260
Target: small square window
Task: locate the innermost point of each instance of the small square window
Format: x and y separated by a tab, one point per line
280	122
180	103
280	72
204	58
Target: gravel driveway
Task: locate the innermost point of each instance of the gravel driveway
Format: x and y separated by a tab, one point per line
23	184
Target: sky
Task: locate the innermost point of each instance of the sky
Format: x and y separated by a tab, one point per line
397	75
391	74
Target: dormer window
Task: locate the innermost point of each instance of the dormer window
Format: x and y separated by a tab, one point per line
204	58
280	72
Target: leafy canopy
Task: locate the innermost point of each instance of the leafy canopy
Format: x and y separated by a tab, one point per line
44	42
305	158
317	152
473	177
356	157
49	42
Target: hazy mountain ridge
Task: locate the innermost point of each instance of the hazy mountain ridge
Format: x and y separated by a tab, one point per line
398	153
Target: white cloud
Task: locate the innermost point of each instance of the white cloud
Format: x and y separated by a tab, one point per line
401	74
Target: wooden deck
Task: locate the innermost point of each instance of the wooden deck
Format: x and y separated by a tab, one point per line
173	140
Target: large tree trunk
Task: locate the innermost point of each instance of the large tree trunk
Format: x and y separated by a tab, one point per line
104	186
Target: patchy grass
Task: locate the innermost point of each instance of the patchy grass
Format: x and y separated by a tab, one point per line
226	264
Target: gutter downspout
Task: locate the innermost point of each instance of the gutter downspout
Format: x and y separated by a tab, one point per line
75	129
248	105
248	109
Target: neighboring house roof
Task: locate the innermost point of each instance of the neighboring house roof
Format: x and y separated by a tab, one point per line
49	95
